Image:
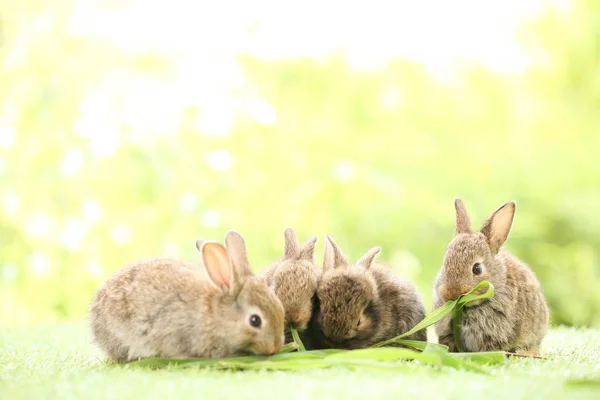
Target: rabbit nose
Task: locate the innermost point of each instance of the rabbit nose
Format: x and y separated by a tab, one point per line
452	293
274	349
293	319
290	318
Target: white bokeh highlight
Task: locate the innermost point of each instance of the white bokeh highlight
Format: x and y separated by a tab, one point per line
72	162
211	218
219	160
39	264
39	224
73	234
120	234
188	202
91	211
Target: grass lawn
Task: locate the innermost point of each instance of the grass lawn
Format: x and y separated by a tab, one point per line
57	361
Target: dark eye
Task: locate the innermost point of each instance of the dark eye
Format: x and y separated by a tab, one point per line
255	321
477	268
359	322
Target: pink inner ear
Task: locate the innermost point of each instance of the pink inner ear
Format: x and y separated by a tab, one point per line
216	262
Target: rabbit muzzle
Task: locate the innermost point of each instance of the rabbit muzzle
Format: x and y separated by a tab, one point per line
296	321
450	293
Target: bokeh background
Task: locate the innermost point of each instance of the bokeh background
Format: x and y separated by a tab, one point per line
129	128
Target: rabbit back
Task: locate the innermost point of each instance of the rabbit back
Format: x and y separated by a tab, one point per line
532	316
158	307
401	305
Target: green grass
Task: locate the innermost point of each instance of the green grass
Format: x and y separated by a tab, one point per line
58	361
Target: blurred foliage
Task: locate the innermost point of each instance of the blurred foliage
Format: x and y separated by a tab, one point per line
372	158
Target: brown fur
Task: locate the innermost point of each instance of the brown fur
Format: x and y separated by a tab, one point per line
362	304
165	307
294	279
516	318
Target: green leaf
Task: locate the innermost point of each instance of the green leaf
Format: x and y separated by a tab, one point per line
471	296
457	318
457	311
378	354
434	317
441	312
593	382
489	357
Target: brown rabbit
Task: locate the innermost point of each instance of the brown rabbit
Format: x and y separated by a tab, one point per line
165	307
364	303
294	280
516	318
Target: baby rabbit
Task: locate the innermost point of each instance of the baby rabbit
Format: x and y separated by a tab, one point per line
516	318
164	307
294	280
364	303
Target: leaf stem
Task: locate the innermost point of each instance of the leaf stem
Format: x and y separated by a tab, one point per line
296	337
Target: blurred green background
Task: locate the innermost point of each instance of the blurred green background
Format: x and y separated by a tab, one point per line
129	128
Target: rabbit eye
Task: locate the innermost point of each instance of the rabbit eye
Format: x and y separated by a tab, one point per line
477	268
255	321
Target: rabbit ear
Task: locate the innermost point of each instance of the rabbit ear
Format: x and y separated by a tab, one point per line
308	248
367	260
199	243
328	256
463	221
216	262
333	256
497	227
290	247
240	266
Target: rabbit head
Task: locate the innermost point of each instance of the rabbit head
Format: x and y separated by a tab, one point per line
250	312
471	256
295	280
348	297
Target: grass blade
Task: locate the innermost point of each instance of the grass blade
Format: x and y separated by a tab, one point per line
457	317
434	317
158	362
457	311
377	354
487	357
525	356
163	362
304	355
288	348
592	382
471	296
451	360
448	308
297	340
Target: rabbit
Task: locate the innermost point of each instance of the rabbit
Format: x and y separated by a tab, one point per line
364	303
517	317
294	280
165	307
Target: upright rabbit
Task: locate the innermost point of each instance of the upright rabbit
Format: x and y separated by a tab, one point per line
170	308
364	303
516	318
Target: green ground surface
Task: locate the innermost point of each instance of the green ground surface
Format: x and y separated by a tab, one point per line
58	361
